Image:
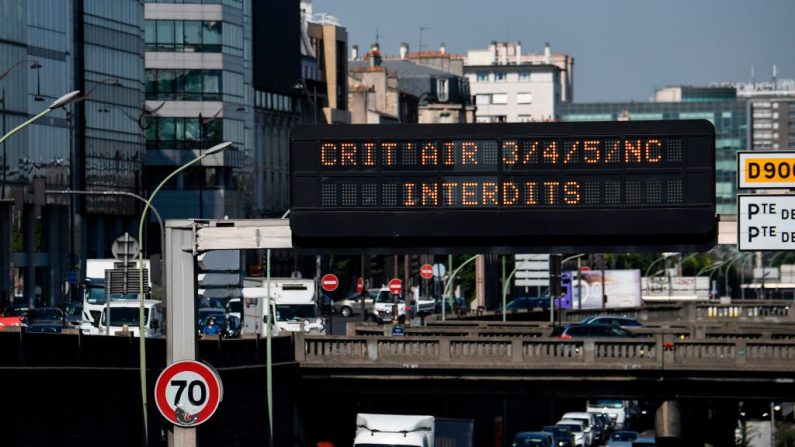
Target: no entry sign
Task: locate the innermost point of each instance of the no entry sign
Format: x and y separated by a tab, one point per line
329	282
395	286
187	393
426	271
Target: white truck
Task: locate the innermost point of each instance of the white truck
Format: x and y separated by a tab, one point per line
384	302
95	295
293	302
393	430
124	315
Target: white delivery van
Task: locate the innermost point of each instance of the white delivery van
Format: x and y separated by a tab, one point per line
293	303
124	315
394	430
95	295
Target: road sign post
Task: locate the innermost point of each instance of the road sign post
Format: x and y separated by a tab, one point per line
187	393
395	286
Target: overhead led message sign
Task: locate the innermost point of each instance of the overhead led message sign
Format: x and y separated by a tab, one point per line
616	185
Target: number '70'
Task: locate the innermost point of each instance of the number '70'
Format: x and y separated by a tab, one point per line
182	384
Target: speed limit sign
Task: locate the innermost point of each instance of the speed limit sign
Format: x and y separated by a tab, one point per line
187	393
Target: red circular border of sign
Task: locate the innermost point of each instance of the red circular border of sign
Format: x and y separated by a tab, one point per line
215	395
329	277
427	268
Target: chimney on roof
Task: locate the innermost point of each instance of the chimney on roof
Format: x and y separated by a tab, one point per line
547	54
355	52
404	51
518	52
443	48
375	55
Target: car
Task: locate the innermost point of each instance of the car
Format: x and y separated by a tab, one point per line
590	426
622	438
74	314
205	312
608	424
526	303
562	436
352	303
45	326
533	439
577	429
44	314
644	441
577	330
624	322
13	318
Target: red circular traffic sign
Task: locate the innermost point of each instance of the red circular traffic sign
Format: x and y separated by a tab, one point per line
187	393
426	271
395	286
360	285
585	268
329	282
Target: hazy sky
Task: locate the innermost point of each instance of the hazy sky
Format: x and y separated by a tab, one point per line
622	49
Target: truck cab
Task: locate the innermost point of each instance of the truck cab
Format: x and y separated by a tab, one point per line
382	309
394	430
124	315
293	303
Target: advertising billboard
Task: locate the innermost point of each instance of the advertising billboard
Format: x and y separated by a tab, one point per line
622	289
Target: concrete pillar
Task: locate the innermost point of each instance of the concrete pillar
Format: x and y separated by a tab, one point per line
668	424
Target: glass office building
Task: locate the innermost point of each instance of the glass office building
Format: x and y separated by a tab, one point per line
728	114
48	48
198	94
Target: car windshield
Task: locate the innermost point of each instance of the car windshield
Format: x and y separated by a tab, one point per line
623	436
120	316
556	430
45	314
387	298
528	441
606	404
575	428
95	295
217	313
74	310
295	312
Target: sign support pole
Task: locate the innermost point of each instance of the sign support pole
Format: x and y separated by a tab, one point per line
181	317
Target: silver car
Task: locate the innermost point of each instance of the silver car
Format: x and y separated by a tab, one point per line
351	304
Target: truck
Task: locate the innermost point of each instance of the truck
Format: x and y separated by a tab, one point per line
293	303
621	412
412	431
124	315
384	301
94	293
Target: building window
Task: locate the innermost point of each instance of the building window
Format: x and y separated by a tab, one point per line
499	76
442	90
183	85
482	99
524	76
183	133
483	76
188	36
499	98
524	98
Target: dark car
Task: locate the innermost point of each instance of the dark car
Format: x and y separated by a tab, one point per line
74	314
562	436
590	330
533	439
527	303
45	320
624	322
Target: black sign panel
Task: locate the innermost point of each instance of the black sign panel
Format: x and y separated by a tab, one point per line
546	187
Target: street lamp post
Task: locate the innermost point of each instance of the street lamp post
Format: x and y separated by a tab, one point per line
450	282
141	326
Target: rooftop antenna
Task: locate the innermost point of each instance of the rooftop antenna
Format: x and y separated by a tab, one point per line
753	76
378	36
422	28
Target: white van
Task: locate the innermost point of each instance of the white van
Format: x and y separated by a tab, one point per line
577	428
124	315
617	410
589	422
394	430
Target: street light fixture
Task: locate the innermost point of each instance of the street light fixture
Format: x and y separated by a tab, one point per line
57	104
141	326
